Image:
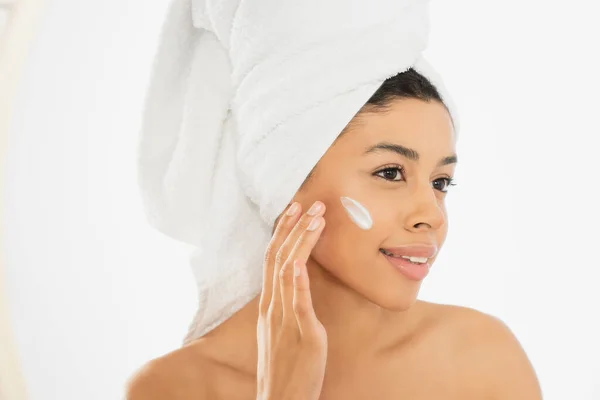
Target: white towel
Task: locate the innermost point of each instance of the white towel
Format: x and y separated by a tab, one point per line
245	98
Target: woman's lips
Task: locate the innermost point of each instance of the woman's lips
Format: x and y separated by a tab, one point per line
415	272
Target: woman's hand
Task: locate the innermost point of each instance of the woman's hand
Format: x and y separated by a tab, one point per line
292	343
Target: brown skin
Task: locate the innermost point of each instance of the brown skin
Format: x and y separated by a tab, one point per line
382	342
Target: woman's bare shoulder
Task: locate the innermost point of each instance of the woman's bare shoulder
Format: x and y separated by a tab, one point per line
487	352
181	374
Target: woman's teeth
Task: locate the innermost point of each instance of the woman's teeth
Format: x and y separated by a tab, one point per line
414	260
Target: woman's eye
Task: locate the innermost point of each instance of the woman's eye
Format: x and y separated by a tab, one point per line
442	184
390	173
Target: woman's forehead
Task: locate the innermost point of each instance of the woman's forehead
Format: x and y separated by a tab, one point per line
408	123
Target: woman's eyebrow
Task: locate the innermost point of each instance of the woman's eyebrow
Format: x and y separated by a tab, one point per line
407	152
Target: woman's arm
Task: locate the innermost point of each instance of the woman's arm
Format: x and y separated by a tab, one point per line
496	363
514	377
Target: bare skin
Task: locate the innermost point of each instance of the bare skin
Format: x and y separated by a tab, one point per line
382	342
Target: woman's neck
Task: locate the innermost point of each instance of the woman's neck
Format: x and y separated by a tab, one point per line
357	329
355	326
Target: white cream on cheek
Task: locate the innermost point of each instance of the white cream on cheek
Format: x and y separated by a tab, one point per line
357	212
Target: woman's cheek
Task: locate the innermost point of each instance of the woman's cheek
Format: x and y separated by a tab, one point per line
342	243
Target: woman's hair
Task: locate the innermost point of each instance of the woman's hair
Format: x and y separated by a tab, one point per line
404	85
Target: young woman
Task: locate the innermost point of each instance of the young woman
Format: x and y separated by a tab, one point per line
344	322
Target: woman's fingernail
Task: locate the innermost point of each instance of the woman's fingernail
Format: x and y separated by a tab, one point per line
314	224
293	209
314	210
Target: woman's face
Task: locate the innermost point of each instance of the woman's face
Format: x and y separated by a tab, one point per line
405	196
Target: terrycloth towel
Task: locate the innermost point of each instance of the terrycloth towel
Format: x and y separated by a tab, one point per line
244	99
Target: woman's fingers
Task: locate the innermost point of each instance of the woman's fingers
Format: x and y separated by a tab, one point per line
300	251
282	230
275	308
302	304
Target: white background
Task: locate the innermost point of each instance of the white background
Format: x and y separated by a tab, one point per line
94	292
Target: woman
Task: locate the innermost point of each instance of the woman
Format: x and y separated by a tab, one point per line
350	326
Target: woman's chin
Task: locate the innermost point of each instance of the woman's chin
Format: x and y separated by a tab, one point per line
396	299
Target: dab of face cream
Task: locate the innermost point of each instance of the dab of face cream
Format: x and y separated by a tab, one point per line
357	212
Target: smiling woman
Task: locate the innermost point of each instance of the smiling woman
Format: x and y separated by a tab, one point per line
264	121
396	157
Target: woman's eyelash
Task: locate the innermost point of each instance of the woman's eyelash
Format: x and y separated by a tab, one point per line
449	181
391	168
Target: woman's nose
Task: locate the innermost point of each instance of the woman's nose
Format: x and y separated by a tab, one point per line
425	211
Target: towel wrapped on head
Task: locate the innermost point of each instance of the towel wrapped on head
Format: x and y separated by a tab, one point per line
245	97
